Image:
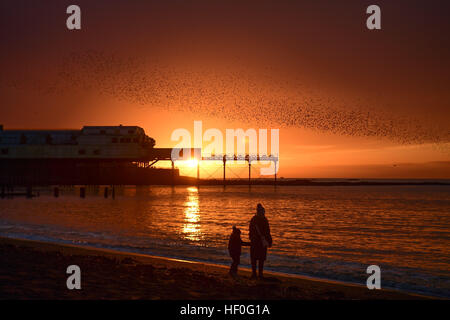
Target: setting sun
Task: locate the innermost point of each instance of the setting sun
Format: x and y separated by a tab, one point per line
192	163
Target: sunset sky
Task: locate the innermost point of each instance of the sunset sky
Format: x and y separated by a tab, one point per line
349	102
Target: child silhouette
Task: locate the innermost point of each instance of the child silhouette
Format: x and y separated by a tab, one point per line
234	248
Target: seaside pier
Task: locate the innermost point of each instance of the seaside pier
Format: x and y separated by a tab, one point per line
94	155
98	155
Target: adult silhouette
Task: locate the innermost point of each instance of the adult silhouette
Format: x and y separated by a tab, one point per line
260	240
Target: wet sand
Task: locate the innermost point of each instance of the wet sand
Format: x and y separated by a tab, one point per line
37	270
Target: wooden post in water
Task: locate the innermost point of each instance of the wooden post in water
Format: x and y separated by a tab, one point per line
56	192
106	193
82	192
29	192
113	193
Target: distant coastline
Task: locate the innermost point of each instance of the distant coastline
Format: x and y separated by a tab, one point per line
20	190
314	182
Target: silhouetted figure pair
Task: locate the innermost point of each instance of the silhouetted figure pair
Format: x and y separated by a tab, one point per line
234	248
260	240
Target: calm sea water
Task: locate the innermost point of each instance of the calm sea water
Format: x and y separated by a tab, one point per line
327	232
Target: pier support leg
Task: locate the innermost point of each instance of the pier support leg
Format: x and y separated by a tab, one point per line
275	176
198	172
249	173
82	192
56	192
106	193
173	173
224	169
113	193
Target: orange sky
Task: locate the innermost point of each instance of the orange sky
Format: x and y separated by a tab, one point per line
348	102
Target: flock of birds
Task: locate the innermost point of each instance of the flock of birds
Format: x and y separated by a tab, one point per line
237	95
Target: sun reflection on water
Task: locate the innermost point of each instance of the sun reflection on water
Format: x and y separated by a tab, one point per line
192	227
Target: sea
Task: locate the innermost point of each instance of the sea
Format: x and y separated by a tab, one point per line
326	232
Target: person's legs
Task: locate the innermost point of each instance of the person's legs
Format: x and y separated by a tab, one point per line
253	259
237	261
234	265
253	268
261	268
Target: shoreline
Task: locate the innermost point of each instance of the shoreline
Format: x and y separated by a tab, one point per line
37	270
